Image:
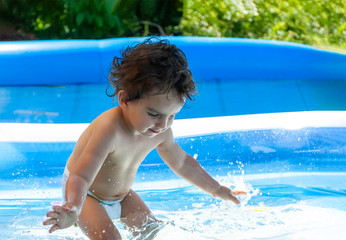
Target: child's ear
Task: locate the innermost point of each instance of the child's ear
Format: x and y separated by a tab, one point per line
122	98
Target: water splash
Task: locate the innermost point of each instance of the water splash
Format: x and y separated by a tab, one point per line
268	211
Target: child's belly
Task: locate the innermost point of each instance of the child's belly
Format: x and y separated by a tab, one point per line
113	184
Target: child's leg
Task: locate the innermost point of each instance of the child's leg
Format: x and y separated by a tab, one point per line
134	212
95	222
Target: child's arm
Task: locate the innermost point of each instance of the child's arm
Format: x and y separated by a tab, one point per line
66	215
189	169
98	146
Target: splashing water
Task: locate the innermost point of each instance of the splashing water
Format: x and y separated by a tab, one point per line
268	211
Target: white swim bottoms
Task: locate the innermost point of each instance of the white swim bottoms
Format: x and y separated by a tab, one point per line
113	208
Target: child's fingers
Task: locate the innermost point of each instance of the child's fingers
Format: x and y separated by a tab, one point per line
52	214
61	209
236	192
53	228
235	200
50	221
57	208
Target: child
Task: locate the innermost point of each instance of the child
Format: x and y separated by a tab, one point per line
152	81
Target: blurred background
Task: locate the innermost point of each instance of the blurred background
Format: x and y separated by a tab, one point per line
321	23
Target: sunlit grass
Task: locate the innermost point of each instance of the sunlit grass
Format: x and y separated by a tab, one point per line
333	48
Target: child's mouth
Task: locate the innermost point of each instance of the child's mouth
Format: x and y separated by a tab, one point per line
153	130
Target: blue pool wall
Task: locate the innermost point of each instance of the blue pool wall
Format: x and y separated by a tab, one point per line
234	76
61	62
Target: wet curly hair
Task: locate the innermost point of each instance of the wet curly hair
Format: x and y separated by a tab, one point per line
154	66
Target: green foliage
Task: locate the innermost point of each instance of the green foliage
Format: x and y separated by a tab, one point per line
304	21
91	19
315	22
33	16
50	19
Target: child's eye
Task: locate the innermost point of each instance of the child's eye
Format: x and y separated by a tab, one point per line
153	114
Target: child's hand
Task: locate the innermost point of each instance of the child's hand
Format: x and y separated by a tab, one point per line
227	194
62	217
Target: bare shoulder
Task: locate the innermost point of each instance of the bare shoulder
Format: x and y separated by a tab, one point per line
107	119
105	125
97	139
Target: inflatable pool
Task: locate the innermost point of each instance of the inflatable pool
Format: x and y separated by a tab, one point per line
270	118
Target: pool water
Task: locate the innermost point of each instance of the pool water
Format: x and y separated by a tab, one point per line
271	211
295	179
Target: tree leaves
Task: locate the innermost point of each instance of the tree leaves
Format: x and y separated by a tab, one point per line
304	21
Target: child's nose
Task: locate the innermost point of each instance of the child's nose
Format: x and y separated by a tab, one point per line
162	123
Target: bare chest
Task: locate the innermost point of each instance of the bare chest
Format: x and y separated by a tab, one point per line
129	153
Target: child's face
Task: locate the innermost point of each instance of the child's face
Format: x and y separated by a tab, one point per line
153	114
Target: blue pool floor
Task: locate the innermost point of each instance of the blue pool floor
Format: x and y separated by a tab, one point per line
82	103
